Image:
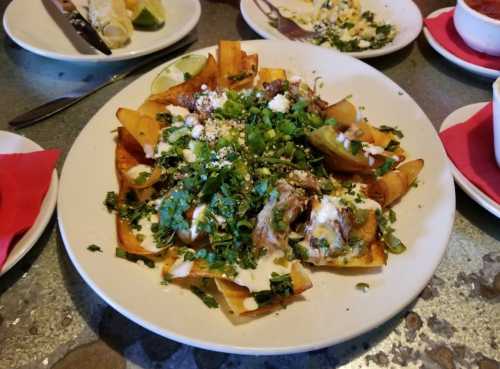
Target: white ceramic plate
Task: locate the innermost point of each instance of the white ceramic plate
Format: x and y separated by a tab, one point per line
333	310
402	13
12	143
32	25
476	69
457	117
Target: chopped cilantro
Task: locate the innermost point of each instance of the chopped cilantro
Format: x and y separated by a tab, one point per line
94	248
363	286
187	76
207	299
281	285
142	178
122	254
385	167
356	147
111	201
394	130
172	211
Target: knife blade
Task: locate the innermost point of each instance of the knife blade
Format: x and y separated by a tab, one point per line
81	25
60	103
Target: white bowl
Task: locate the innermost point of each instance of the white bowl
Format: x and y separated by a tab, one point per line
480	32
496	119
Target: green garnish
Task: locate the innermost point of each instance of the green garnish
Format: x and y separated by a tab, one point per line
142	178
363	286
394	130
122	254
385	167
356	147
207	299
111	201
94	248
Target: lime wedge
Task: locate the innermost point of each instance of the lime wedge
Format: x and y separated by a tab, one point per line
148	14
177	72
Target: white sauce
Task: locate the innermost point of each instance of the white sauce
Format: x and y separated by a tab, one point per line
181	268
198	215
370	149
148	241
258	279
250	304
136	170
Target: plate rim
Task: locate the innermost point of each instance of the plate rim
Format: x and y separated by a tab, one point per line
357	54
41	221
473	68
99	57
448	220
469	188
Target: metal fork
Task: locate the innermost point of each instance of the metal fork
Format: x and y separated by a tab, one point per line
285	25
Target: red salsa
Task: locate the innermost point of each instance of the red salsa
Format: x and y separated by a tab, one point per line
490	8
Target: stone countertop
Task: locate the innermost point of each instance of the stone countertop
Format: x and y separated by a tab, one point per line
49	317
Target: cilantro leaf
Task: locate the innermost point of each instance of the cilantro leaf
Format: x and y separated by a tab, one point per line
207	299
94	248
172	211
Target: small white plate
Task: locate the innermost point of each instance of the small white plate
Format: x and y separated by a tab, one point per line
402	13
476	69
333	310
12	143
457	117
32	25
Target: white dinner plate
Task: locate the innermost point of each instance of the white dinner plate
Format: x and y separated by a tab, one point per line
402	13
333	310
457	117
476	69
12	143
36	27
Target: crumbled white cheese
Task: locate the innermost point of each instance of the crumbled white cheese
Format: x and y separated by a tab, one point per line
148	151
191	120
161	148
197	131
341	137
364	44
371	149
279	104
295	79
371	160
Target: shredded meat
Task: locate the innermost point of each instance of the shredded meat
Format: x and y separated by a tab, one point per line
273	88
291	202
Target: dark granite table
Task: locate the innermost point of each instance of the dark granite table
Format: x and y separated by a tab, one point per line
49	318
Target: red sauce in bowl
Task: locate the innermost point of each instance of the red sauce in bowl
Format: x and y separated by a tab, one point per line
490	8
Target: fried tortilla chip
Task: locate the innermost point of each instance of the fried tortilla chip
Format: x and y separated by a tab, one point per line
178	94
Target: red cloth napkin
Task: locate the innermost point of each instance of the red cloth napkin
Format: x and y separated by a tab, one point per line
24	181
470	146
443	30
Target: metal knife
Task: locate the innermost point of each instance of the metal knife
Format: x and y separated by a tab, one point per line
52	107
81	25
